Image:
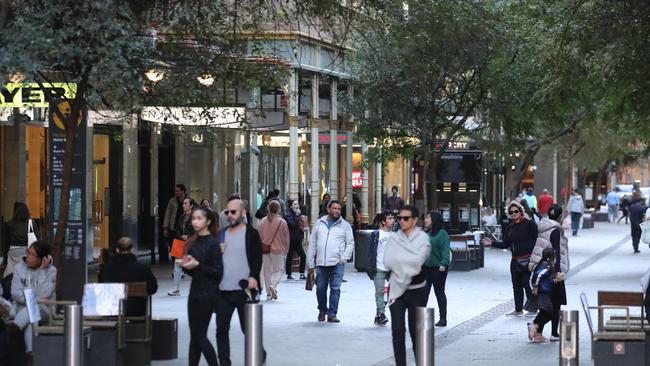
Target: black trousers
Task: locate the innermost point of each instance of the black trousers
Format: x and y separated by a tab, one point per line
636	235
228	302
543	317
295	246
408	302
199	313
438	279
520	285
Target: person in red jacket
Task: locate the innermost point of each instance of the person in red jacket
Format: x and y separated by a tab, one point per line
544	202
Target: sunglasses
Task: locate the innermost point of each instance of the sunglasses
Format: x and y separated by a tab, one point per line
403	218
513	212
231	212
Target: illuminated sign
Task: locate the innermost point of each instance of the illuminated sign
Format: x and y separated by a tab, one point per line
223	117
357	181
325	138
32	95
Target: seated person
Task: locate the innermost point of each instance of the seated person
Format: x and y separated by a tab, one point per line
123	267
37	273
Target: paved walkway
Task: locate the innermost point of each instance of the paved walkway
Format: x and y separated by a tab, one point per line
601	258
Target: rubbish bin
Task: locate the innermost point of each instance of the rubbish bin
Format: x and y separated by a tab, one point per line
361	240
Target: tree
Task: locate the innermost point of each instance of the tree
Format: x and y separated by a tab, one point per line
105	47
420	78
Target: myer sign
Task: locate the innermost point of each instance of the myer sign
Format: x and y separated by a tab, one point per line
17	95
224	117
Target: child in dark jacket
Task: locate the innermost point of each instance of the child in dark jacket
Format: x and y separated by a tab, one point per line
541	283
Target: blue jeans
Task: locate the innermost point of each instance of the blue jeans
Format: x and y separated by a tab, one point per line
575	222
612	210
332	275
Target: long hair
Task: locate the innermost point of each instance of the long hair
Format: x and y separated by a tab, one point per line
21	212
436	222
547	253
213	226
274	209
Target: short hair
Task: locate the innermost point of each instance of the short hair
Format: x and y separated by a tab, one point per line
234	196
124	244
181	187
326	195
414	211
381	217
330	203
530	189
394	188
41	247
276	192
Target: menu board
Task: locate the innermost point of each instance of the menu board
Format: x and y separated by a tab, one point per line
73	266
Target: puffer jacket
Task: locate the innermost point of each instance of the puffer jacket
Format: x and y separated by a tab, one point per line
329	246
545	228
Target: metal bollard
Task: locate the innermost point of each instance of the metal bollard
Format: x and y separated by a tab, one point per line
73	337
424	336
569	341
254	350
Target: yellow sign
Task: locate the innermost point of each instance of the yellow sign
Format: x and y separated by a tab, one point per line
30	95
66	110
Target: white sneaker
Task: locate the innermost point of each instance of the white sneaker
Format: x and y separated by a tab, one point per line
174	293
515	313
531	314
554	338
532	330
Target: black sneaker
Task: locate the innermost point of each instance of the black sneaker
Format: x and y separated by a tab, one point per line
382	319
303	277
289	277
321	317
377	320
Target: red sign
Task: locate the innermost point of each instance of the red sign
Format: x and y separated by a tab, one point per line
325	138
357	181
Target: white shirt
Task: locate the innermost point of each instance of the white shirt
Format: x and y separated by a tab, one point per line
381	247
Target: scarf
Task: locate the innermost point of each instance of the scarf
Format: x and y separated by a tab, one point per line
404	257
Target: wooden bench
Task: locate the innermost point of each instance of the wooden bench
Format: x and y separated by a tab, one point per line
621	344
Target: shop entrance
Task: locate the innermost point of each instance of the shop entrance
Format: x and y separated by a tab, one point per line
107	187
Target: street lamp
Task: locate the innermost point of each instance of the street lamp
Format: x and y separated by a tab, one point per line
205	79
154	75
16	77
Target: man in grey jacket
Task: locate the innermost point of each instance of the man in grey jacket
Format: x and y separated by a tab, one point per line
35	273
330	248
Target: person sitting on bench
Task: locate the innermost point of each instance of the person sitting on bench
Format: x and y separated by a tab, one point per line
35	272
124	267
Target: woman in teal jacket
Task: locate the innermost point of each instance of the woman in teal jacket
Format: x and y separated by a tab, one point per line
438	261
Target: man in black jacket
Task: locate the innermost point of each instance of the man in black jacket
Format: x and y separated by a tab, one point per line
124	267
242	263
637	216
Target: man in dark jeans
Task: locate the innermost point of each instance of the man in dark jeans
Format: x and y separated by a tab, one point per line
637	216
242	260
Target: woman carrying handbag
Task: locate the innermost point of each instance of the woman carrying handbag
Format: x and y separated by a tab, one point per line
274	233
20	233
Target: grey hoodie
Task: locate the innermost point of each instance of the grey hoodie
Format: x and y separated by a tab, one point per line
41	280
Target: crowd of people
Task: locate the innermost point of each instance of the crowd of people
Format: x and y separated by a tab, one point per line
231	263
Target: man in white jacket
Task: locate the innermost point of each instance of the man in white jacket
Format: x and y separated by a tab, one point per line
330	248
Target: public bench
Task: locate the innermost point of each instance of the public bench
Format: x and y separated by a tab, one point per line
622	344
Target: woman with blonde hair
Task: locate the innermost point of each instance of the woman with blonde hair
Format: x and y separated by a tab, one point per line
274	233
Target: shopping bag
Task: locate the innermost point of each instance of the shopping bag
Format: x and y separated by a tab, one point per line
309	284
178	248
645	237
31	234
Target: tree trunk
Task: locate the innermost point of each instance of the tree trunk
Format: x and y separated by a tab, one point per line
514	178
569	178
66	175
